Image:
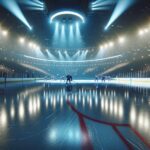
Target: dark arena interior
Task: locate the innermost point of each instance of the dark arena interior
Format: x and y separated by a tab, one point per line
75	74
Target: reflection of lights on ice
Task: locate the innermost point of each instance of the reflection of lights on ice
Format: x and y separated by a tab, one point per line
115	108
34	105
30	107
88	98
38	104
121	110
46	102
102	103
111	106
74	134
51	101
77	135
90	102
79	95
3	118
100	93
54	103
114	93
53	134
21	111
83	101
146	122
76	100
12	111
105	93
96	100
72	96
61	101
70	134
141	120
106	105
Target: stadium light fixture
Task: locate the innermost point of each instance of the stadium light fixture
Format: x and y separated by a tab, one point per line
73	13
111	44
106	46
30	44
33	5
4	33
21	40
121	39
141	32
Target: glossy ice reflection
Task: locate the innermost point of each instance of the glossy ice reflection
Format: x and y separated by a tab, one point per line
41	113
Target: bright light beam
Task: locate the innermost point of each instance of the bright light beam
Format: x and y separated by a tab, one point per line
120	8
37	1
12	6
56	34
101	8
78	37
107	2
31	3
35	8
76	55
34	4
63	36
98	1
71	36
67	55
50	55
61	57
15	10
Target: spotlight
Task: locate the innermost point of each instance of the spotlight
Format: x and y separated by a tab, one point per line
141	32
106	46
13	7
111	44
101	8
121	39
5	33
121	7
34	46
102	5
39	2
21	40
33	5
30	44
30	28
